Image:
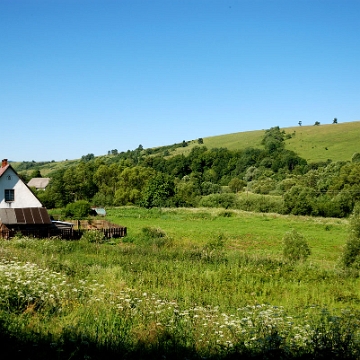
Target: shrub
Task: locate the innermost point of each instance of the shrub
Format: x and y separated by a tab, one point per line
351	254
213	251
295	247
77	210
155	236
219	200
94	236
355	158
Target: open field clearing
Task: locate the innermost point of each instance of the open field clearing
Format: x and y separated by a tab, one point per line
183	283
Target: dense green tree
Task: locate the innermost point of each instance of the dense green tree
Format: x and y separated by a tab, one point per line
208	188
78	181
35	174
187	192
158	192
236	184
131	182
56	190
88	157
77	210
273	139
299	200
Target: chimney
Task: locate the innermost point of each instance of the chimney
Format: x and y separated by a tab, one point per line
4	163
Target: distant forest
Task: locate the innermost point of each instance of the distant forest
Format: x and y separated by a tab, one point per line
272	179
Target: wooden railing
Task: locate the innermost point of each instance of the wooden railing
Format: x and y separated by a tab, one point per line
66	233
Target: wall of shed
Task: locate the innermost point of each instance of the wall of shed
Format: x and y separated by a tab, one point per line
23	195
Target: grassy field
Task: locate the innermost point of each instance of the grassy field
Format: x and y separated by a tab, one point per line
337	142
184	283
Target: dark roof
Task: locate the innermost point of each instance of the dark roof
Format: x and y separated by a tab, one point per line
24	216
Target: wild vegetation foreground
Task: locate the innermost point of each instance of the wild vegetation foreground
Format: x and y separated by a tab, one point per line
183	284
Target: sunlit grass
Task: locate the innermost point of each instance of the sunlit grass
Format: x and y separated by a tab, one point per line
213	283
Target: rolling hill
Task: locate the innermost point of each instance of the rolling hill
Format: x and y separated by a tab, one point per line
337	142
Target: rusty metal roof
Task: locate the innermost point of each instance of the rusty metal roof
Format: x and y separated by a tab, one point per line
25	216
3	169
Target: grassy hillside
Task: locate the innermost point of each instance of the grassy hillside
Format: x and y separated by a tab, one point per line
319	143
313	143
337	142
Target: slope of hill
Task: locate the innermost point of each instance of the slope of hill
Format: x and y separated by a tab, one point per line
337	142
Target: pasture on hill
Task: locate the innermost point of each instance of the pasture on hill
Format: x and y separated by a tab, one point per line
337	142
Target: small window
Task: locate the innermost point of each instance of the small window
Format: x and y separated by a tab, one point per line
9	194
9	177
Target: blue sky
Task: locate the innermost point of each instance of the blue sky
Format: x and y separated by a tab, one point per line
89	76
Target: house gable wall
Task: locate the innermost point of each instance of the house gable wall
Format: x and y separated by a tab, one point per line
23	195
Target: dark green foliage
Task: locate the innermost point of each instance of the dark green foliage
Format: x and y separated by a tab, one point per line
319	189
87	157
35	174
187	192
208	188
153	233
158	192
46	199
263	186
77	210
273	139
236	184
94	236
295	247
355	158
299	200
155	237
219	200
351	254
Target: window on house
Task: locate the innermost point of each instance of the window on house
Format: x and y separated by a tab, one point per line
9	194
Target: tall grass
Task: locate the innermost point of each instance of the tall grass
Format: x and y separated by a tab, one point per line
183	285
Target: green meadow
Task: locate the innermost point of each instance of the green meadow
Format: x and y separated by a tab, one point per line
184	283
313	143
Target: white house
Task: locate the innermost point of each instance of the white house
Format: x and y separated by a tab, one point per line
20	209
14	193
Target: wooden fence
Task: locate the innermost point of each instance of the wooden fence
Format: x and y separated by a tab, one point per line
66	233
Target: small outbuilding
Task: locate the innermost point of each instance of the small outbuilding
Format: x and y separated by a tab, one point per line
39	183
